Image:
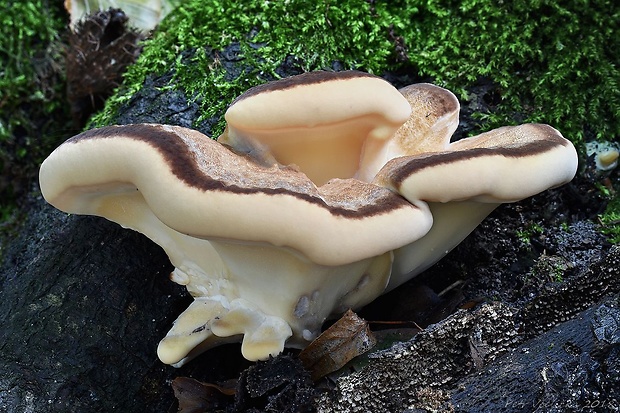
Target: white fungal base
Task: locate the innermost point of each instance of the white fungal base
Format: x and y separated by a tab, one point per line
210	321
262	296
453	222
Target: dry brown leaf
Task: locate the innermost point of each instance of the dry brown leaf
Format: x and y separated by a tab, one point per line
197	397
346	339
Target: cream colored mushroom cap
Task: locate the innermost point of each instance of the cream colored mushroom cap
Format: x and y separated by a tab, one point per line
434	118
200	188
466	181
503	165
317	98
320	122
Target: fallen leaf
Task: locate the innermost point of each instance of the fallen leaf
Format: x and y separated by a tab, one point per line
346	339
197	397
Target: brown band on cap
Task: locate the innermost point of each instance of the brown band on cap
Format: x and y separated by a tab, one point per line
308	78
183	166
411	165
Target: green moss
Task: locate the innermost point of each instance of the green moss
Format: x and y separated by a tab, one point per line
26	32
554	62
525	235
31	91
307	30
610	220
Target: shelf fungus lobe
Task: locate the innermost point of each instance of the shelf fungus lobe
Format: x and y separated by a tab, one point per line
324	191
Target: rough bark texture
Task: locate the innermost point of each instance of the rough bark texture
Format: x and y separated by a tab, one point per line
453	366
83	304
437	356
574	367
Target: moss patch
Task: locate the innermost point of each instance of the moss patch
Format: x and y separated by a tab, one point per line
32	108
553	62
610	219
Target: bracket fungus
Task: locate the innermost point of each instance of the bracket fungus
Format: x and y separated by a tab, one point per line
324	191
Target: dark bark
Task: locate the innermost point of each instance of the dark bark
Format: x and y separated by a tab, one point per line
574	367
481	360
83	304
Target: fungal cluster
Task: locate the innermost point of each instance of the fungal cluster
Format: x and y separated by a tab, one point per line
325	191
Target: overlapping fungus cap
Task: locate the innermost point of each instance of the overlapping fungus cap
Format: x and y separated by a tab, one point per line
463	181
201	188
503	165
321	122
335	184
